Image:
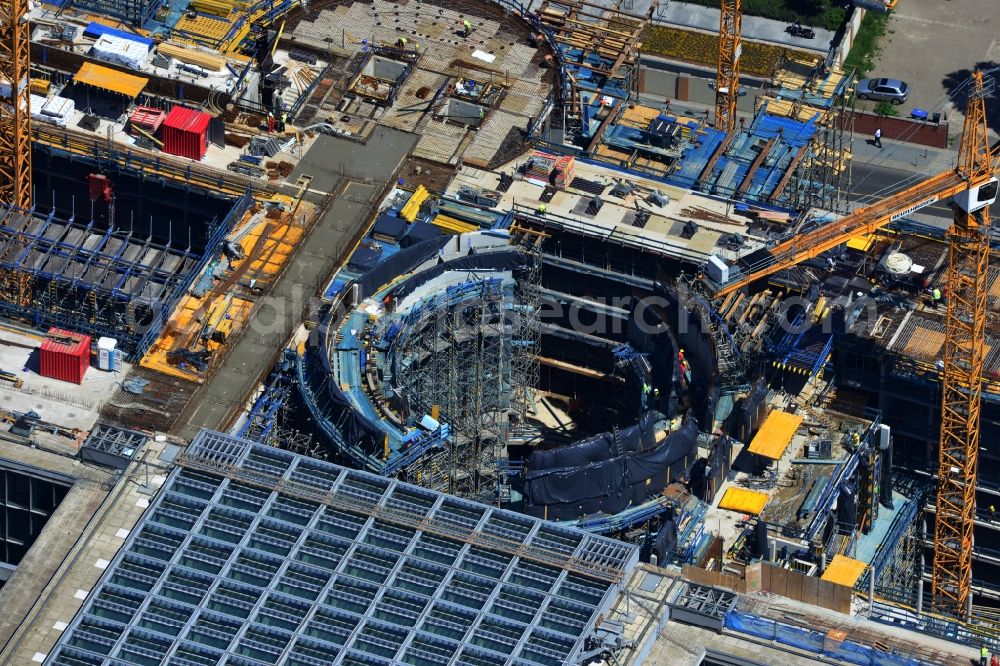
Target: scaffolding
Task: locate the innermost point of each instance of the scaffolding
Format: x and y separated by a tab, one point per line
526	335
820	174
598	51
897	564
105	282
134	12
455	361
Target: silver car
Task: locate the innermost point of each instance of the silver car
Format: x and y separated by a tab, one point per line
883	90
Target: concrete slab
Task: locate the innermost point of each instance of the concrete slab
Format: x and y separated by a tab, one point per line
331	162
63	403
58	573
934	46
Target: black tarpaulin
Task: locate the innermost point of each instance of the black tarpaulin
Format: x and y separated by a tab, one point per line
758	546
420	231
400	263
666	540
847	507
365	258
606	473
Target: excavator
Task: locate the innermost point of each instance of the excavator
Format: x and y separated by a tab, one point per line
971	187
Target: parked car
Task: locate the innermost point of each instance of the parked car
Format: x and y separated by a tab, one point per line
883	90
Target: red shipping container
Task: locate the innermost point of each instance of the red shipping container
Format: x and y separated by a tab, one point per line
65	355
185	132
148	118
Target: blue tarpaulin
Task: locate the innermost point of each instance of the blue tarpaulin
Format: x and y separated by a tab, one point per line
95	30
813	641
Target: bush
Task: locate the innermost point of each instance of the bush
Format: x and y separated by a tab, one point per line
826	14
702	48
886	110
865	49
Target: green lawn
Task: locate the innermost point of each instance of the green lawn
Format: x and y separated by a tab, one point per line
817	13
703	49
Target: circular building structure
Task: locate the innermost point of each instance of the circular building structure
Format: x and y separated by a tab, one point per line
479	365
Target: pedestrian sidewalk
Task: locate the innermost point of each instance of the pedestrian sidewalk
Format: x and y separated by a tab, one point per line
687	15
901	155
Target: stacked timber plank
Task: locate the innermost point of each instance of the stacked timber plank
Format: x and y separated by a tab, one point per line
210	61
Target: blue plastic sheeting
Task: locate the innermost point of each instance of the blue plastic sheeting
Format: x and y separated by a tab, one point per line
816	642
96	30
800	638
335	288
730	170
754	625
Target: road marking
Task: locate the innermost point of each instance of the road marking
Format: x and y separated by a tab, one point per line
994	51
958	26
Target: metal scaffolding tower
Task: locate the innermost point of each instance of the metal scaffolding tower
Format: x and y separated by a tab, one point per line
525	335
467	356
459	368
822	175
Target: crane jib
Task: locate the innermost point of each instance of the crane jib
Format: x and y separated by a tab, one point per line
912	209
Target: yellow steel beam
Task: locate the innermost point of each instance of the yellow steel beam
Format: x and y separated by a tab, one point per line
15	116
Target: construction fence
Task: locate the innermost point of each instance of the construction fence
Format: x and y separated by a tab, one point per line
763	577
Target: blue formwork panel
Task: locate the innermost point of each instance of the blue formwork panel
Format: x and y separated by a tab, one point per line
696	156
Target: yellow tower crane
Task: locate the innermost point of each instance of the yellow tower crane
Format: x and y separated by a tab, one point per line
15	116
972	186
964	352
727	76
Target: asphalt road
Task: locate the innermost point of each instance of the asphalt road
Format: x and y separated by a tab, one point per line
870	182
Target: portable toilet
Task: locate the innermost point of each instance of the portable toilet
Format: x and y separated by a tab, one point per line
106	354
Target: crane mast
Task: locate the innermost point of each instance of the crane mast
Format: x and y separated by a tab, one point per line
963	355
973	186
727	76
15	116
